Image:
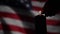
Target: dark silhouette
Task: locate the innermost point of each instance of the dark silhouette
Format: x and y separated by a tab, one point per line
51	7
40	24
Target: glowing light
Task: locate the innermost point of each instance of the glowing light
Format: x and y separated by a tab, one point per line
40	12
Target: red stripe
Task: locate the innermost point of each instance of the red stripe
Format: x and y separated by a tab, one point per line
52	33
22	17
41	0
15	28
0	26
37	8
53	22
9	15
30	31
19	29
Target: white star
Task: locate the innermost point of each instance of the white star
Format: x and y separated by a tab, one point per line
27	5
22	1
25	0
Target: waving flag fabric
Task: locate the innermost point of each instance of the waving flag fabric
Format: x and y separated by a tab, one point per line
23	24
14	22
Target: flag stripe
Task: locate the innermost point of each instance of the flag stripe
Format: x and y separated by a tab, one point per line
19	29
12	32
8	15
15	28
38	4
51	28
1	32
54	17
53	22
19	23
6	9
37	8
41	0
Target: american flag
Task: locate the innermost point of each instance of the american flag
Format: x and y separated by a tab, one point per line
24	24
11	23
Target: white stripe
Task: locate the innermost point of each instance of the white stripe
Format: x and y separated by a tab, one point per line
51	28
56	17
18	23
38	4
1	32
12	32
6	9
